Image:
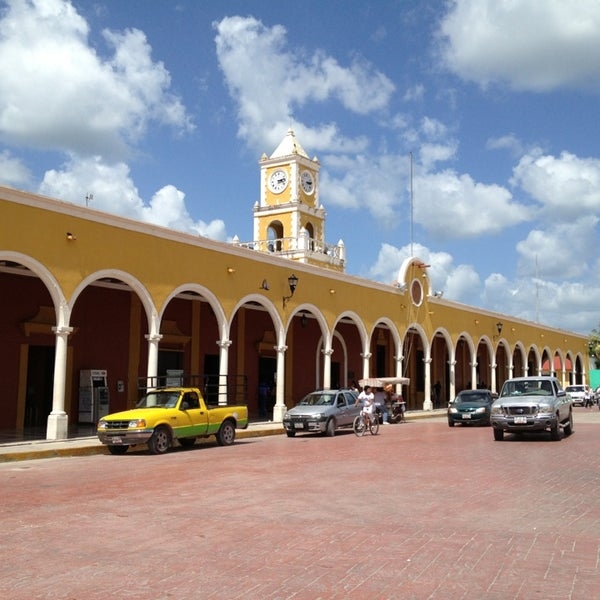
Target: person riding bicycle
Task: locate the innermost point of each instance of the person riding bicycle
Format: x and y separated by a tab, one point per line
367	399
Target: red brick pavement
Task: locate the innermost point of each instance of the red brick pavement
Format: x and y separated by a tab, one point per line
420	511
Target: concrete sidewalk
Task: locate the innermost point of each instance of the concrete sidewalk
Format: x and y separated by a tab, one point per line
85	446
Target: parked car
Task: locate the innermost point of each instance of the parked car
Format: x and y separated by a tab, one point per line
471	407
322	411
580	394
529	404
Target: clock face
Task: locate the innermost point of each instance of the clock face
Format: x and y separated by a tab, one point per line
307	182
278	181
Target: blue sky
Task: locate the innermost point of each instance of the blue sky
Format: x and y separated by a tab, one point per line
163	109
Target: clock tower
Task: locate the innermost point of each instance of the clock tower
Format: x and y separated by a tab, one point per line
288	220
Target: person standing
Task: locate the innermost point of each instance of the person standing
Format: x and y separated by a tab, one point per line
264	391
438	393
380	405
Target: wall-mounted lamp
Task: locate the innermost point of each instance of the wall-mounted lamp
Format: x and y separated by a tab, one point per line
303	320
499	326
70	236
293	283
438	294
332	291
476	321
230	270
264	285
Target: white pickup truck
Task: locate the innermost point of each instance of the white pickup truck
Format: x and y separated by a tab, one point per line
532	404
580	394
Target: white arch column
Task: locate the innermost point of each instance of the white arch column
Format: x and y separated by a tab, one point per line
57	427
493	377
327	368
223	370
366	356
152	370
280	409
427	403
452	371
399	365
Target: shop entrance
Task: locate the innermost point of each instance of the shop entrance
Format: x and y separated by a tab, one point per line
40	384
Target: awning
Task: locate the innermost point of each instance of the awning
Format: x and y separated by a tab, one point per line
557	365
380	382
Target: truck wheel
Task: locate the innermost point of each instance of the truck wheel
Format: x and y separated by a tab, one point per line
330	429
290	433
160	441
555	432
117	450
568	428
498	434
450	423
226	434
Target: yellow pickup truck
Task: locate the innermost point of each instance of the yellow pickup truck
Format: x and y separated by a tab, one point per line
164	415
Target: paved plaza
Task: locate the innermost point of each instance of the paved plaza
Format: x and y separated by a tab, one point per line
420	511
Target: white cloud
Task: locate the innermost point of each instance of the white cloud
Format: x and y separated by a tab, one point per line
530	45
114	191
571	306
377	184
256	65
508	142
415	93
57	93
562	251
565	185
12	171
450	205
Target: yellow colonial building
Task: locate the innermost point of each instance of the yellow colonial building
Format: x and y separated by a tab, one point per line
96	308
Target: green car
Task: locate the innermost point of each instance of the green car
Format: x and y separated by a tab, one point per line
471	407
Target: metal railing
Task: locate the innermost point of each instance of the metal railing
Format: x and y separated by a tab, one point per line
217	390
291	247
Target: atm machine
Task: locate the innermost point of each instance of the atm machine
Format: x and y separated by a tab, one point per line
93	395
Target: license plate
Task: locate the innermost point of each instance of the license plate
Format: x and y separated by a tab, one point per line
466	416
115	440
299	425
520	420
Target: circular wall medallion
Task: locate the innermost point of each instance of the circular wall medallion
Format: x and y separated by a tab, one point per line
416	292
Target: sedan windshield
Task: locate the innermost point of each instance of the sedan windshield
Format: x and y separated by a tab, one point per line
318	399
462	398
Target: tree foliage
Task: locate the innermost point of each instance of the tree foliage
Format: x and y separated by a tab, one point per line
594	343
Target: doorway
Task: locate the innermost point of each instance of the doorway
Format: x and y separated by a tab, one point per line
267	370
40	385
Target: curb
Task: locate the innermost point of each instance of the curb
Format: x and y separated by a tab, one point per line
90	446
